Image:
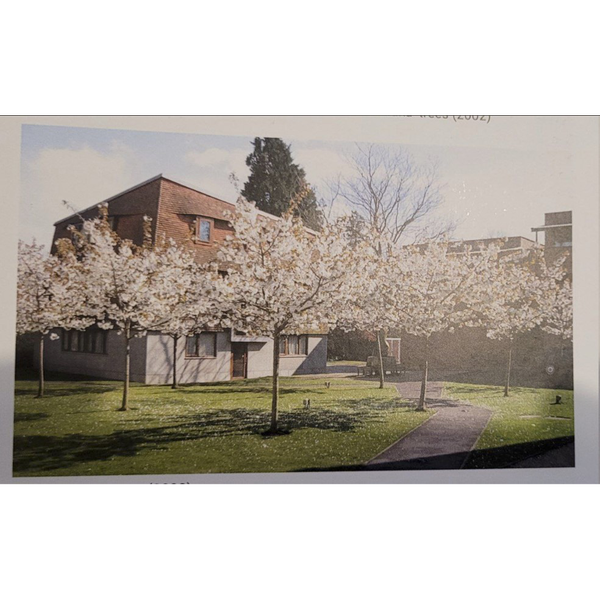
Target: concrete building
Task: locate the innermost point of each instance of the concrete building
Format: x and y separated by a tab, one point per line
199	222
558	234
540	359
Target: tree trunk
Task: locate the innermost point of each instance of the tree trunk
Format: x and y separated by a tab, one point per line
40	393
174	384
275	398
381	367
124	405
423	396
509	365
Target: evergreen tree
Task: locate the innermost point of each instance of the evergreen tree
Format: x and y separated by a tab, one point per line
275	182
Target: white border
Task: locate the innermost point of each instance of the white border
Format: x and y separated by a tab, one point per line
579	135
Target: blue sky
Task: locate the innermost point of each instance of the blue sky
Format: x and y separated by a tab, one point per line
488	191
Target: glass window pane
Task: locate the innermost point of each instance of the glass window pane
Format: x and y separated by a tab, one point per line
89	340
282	345
303	344
204	232
100	341
65	340
190	348
73	339
293	344
206	344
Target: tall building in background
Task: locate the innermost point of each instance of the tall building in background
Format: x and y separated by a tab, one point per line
558	234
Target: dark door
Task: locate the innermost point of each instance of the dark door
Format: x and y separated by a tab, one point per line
239	360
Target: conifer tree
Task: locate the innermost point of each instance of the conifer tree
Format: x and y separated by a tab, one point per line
275	181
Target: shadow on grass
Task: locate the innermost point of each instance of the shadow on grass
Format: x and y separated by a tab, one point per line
52	391
264	390
39	453
28	374
491	458
38	416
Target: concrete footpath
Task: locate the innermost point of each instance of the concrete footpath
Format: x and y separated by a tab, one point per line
442	442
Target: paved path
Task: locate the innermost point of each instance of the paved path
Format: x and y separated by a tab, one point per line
442	442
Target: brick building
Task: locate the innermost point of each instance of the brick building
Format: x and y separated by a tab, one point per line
199	222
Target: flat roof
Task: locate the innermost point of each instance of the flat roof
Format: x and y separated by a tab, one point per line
544	227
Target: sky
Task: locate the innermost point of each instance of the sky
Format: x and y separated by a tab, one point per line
488	192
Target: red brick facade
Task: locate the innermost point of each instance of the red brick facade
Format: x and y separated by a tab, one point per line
174	210
180	208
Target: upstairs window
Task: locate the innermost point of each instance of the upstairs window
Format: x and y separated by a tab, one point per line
204	232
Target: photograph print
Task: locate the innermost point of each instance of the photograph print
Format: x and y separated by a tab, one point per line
194	304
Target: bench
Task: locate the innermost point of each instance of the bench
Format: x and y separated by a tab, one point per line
372	367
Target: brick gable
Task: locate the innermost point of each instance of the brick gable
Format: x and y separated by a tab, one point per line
174	209
128	209
179	209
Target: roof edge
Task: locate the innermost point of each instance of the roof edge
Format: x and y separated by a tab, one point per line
167	178
195	189
135	187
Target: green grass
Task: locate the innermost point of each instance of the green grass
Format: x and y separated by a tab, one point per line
210	428
526	423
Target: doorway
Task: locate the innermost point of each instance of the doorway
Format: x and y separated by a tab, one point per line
239	360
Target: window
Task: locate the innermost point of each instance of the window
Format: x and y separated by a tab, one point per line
293	345
201	345
303	345
92	341
204	230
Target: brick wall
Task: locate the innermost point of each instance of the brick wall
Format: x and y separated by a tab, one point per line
179	208
128	209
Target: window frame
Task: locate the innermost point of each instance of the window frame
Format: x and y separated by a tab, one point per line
197	355
302	340
88	341
211	225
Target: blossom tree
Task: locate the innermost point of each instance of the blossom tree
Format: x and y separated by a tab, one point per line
49	295
284	279
368	310
195	305
558	311
129	288
524	291
434	288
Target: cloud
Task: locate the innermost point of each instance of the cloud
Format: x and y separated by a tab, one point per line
216	158
321	165
211	170
80	176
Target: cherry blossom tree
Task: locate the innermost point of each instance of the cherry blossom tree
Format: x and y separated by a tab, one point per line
369	309
129	288
558	311
195	305
525	290
49	296
284	279
435	288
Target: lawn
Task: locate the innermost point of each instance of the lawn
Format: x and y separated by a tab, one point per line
209	428
526	423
